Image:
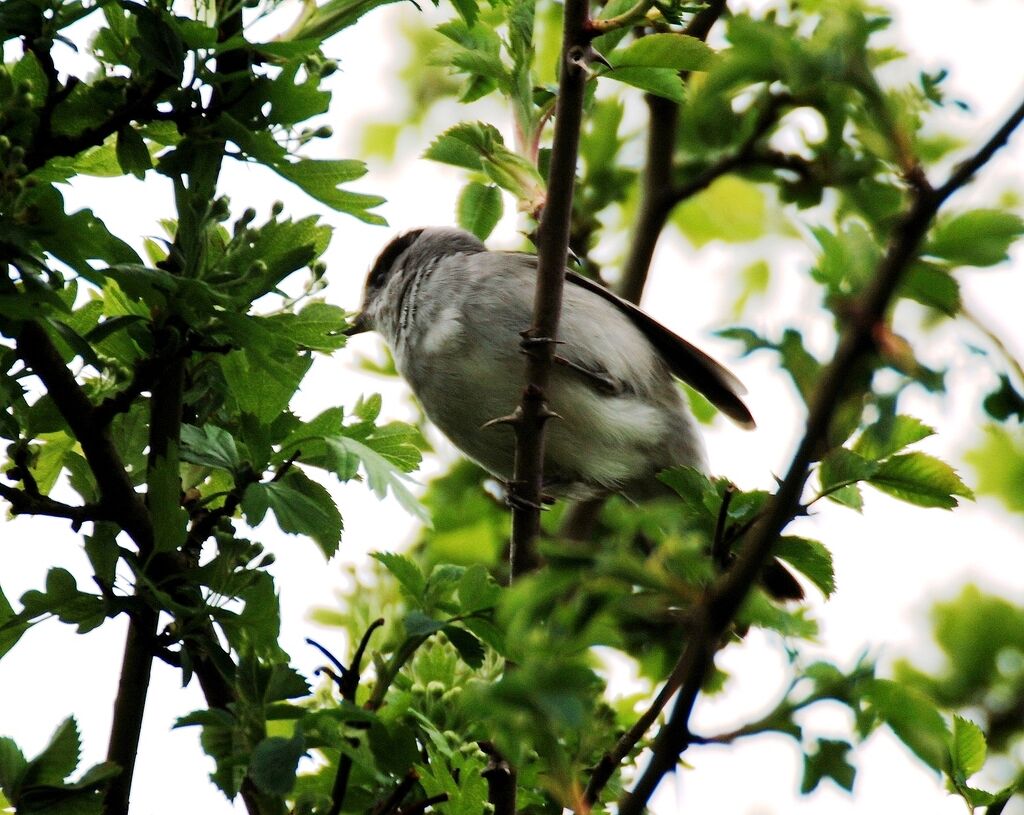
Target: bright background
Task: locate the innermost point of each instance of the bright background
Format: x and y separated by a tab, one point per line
892	562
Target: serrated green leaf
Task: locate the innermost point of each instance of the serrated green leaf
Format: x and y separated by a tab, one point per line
318	327
301	507
274	762
209	446
11	628
933	286
967	749
842	467
321	178
12	765
479	208
890	435
809	557
920	479
913	718
980	237
381	475
58	759
406	572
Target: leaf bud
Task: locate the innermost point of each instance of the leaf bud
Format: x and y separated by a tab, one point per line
324	132
277	208
247	217
435	688
329	67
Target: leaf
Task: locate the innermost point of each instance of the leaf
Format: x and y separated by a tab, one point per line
980	237
274	762
890	435
828	761
469	647
318	327
320	179
999	464
931	285
11	628
12	766
662	82
967	749
418	624
809	557
406	572
132	155
477	589
920	479
58	759
301	507
209	446
731	209
479	208
1005	402
913	718
677	52
380	474
842	467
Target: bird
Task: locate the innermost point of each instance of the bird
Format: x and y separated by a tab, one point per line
452	313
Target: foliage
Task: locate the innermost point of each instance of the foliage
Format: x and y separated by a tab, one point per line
148	401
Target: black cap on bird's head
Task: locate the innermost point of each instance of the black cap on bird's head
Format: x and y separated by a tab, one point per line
425	245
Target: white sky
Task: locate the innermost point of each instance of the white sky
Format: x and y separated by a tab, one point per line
892	561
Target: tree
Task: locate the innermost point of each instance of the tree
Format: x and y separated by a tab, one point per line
148	399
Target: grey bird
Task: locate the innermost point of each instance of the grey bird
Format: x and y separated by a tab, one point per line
452	312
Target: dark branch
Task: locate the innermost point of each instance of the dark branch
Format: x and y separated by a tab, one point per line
724	598
37	350
390	805
501	780
552	251
26	502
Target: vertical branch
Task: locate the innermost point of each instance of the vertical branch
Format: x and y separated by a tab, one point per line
552	251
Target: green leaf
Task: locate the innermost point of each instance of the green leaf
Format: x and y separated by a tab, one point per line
662	82
731	210
479	208
380	474
131	152
999	464
890	435
980	237
406	572
677	52
842	467
318	327
809	557
11	627
418	624
209	446
12	766
301	506
274	762
263	383
469	647
913	718
320	179
967	749
828	761
920	479
58	759
1005	402
468	10
931	285
477	589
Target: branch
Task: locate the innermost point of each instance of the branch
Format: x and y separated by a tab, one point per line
552	251
37	350
26	502
501	780
595	28
726	595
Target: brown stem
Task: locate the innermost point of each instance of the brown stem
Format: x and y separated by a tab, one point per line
552	251
725	597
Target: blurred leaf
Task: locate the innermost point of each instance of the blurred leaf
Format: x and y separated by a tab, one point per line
274	762
890	435
1005	402
980	237
809	557
828	760
999	464
731	210
406	572
676	51
912	717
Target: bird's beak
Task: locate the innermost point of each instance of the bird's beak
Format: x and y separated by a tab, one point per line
358	326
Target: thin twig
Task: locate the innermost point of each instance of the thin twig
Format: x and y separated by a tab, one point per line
726	595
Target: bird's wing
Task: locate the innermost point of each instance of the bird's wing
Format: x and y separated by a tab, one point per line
685	360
